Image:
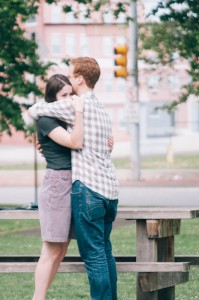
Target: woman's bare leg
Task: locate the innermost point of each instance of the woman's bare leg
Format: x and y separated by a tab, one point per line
51	256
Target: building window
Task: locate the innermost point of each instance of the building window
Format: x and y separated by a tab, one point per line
110	113
121	18
121	83
121	40
159	122
70	18
122	119
55	14
108	82
174	83
70	45
194	114
31	19
108	17
107	46
84	45
56	44
153	82
82	15
148	7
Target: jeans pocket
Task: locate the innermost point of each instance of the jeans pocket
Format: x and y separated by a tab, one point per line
111	211
94	206
114	208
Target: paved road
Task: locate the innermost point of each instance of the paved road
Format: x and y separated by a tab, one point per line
17	195
129	196
159	196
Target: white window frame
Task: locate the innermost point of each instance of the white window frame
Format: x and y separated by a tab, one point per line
84	45
56	43
70	45
56	13
108	82
107	46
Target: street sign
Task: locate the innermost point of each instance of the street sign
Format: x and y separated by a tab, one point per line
133	112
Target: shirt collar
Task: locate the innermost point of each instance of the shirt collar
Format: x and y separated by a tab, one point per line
88	94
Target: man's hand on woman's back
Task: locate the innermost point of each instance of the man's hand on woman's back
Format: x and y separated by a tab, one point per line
39	148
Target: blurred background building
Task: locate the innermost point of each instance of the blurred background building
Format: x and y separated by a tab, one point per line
61	36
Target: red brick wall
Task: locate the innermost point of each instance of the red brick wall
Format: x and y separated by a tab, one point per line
17	138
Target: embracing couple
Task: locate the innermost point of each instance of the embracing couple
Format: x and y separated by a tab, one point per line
81	180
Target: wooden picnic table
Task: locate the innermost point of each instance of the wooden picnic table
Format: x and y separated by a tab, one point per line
157	272
155	231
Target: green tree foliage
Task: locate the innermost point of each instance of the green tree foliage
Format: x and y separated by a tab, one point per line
176	33
18	60
18	54
102	6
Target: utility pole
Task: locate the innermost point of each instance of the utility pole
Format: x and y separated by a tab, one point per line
35	203
134	101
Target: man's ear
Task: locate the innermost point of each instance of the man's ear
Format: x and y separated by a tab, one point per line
80	80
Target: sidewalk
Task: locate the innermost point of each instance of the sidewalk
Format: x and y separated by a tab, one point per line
148	178
155	177
11	155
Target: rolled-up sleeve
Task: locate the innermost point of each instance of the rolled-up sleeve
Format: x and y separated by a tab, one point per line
61	109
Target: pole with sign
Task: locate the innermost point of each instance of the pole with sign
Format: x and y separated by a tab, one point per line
134	101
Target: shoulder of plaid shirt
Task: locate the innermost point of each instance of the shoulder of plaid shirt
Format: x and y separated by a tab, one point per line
61	109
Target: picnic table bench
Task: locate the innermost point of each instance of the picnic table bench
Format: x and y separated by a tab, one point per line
157	269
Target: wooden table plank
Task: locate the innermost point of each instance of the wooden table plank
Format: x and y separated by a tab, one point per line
19	214
132	213
149	250
76	267
156	213
162	228
162	282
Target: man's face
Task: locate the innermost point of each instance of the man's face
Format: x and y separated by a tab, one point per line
73	79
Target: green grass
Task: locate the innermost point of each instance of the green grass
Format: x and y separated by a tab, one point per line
180	162
152	162
160	162
6	226
18	238
20	166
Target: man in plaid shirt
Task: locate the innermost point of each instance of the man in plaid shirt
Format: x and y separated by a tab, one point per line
95	186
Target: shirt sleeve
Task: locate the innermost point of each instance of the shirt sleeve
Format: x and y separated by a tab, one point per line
46	125
62	109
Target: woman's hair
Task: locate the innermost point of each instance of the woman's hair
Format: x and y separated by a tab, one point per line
88	68
54	85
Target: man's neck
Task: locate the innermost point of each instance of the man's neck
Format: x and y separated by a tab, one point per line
83	90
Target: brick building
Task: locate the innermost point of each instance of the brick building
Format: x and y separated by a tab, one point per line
61	36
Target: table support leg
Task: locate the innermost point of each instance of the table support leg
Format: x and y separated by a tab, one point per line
154	250
166	253
146	251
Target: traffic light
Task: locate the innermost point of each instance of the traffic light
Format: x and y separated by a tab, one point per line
121	61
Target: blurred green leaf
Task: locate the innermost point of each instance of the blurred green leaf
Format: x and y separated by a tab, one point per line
176	33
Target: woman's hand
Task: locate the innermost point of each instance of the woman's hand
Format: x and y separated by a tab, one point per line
77	103
110	142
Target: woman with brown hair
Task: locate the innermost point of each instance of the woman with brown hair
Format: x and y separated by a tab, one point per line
54	201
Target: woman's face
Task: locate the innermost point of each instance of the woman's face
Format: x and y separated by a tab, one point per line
64	93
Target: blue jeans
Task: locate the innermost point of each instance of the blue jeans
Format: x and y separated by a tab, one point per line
93	216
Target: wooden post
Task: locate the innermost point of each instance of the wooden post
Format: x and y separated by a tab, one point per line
155	243
146	252
166	253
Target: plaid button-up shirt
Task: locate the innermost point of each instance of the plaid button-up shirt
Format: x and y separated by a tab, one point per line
92	164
